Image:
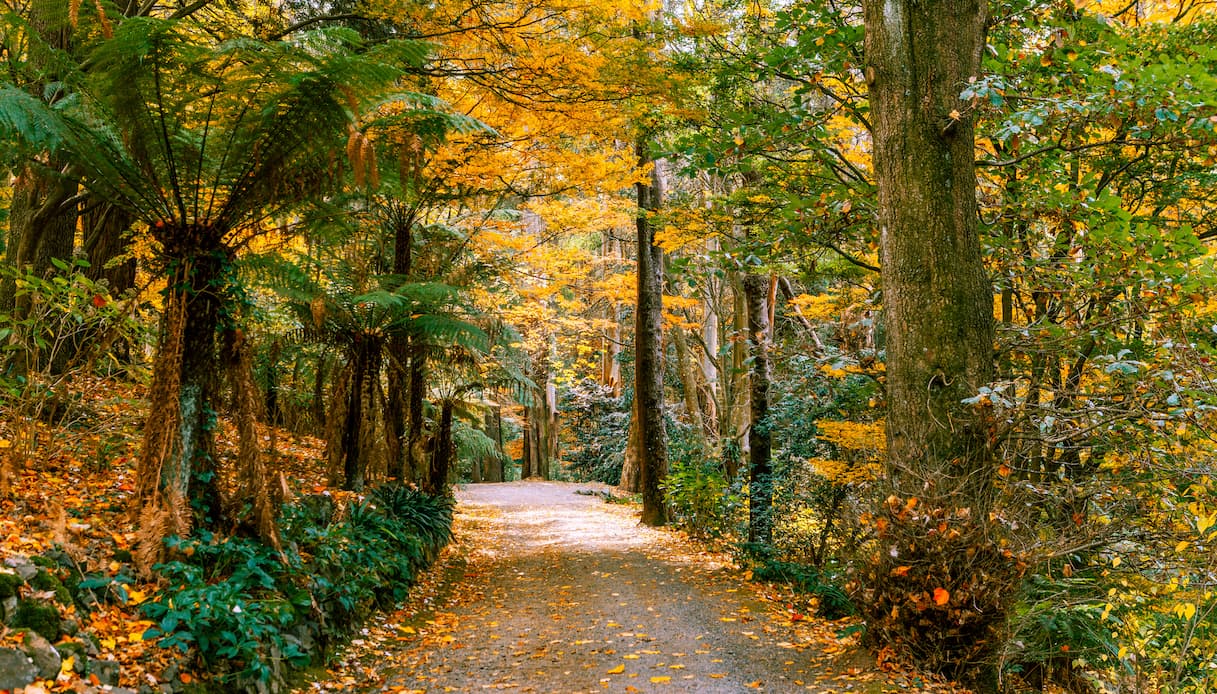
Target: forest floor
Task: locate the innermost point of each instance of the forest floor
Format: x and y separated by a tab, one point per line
548	588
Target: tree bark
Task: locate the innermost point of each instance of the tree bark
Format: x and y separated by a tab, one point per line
42	228
631	475
760	479
105	241
441	458
648	351
939	350
177	481
396	408
416	393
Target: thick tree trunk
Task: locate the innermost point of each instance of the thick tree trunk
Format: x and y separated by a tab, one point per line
42	228
648	352
939	594
528	453
359	422
760	479
105	241
396	429
494	472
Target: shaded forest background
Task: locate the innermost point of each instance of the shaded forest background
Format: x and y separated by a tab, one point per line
944	362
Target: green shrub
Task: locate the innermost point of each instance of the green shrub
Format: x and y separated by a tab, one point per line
831	601
698	495
250	611
595	431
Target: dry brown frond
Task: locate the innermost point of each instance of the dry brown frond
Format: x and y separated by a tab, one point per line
253	489
160	436
355	155
107	29
317	308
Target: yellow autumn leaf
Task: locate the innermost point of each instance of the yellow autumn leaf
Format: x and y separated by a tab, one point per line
617	670
1186	610
659	679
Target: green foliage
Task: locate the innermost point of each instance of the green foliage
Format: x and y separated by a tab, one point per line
595	431
831	601
702	500
62	329
697	496
250	610
1061	622
815	516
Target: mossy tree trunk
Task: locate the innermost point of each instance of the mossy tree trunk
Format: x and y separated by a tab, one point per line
760	462
938	585
648	352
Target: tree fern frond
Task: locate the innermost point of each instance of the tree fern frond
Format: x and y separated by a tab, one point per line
29	119
472	443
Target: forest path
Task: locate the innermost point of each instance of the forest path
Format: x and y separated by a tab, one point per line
550	590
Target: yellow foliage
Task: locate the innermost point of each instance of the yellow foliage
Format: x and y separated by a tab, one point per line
864	439
825	307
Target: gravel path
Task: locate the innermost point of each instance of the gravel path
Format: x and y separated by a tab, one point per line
562	592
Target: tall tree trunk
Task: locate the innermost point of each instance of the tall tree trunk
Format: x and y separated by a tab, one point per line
441	457
648	350
938	594
631	472
396	406
317	410
105	241
42	228
415	395
528	453
42	225
689	382
610	366
760	479
494	429
736	397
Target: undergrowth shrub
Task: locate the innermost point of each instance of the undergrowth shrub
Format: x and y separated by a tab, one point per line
250	612
824	587
1061	626
696	492
595	431
702	501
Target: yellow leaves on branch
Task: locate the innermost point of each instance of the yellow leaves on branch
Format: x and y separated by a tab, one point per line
827	307
864	439
861	446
